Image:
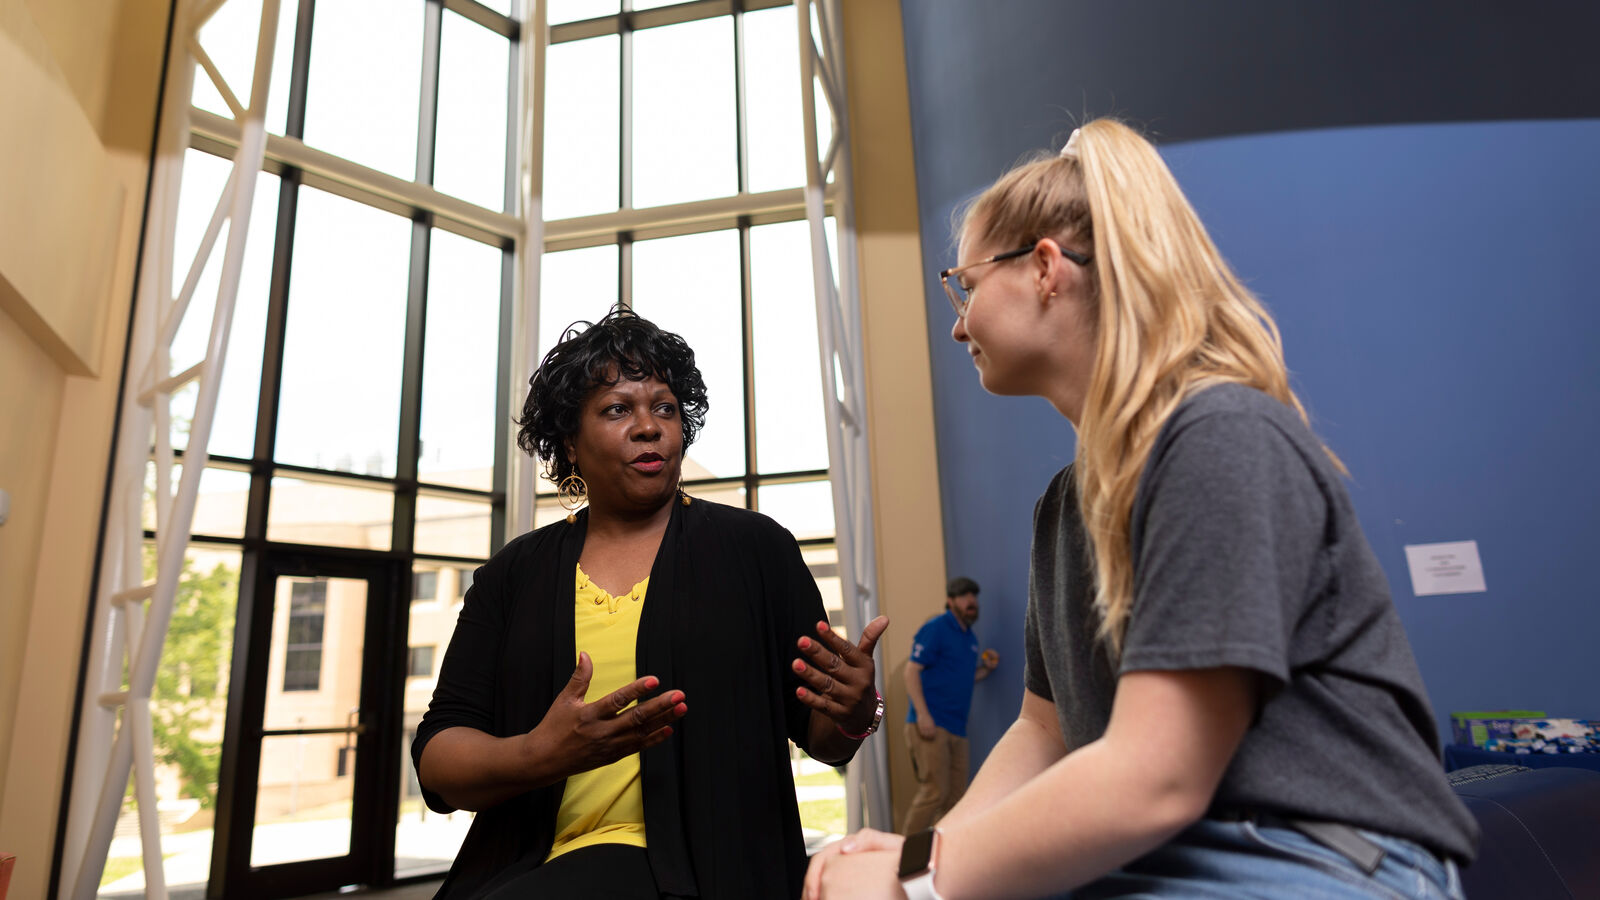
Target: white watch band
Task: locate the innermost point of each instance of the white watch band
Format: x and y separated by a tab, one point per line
921	887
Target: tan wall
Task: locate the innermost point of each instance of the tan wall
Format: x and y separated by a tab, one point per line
905	477
57	256
78	107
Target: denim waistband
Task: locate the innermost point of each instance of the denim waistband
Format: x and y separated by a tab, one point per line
1339	837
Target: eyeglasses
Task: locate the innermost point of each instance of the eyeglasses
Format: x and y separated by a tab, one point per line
960	296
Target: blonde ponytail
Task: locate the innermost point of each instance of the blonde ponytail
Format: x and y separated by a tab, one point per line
1170	318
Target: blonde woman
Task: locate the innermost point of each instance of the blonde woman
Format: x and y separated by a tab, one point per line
1220	700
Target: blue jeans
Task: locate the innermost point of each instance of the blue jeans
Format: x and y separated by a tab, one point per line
1215	859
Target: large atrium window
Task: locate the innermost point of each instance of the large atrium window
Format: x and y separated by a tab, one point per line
358	465
360	416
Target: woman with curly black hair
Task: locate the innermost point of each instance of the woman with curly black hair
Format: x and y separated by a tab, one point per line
562	712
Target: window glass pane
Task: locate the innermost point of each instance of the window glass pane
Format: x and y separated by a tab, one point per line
313	681
460	366
690	285
233	427
824	565
470	150
503	7
313	512
303	809
426	841
451	527
726	494
683	113
577	285
558	11
547	510
229	38
365	83
425	585
819	97
220	506
791	430
819	100
806	509
574	285
419	662
187	707
346	329
582	127
819	790
772	100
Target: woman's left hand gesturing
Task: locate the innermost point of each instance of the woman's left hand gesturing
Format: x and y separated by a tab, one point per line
839	675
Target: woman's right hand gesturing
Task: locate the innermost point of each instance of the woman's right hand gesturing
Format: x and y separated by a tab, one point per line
575	736
470	769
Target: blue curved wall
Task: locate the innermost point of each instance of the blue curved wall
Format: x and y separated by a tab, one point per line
1434	281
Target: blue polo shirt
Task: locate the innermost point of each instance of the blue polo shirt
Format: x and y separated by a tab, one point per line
948	655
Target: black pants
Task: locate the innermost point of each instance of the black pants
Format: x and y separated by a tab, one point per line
601	872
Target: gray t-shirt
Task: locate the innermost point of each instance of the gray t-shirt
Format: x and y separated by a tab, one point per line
1247	552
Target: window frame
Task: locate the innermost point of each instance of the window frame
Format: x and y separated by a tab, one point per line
739	212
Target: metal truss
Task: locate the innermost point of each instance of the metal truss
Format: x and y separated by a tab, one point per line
828	182
130	615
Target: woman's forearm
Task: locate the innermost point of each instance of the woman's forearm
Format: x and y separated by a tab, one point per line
1028	748
473	770
1153	772
1086	815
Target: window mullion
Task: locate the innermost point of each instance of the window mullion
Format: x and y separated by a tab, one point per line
741	124
300	71
409	439
747	331
428	108
625	118
625	268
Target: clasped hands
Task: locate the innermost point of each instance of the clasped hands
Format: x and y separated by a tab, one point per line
862	865
839	678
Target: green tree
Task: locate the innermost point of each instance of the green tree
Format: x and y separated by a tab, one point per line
190	693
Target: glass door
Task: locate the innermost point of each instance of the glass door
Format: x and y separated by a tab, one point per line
309	770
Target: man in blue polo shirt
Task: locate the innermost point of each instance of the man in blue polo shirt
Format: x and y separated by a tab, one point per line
944	664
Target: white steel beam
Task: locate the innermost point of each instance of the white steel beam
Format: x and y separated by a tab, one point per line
842	368
522	472
125	633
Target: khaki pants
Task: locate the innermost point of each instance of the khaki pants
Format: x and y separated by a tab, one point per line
940	764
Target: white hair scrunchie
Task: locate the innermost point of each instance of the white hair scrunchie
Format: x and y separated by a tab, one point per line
1071	148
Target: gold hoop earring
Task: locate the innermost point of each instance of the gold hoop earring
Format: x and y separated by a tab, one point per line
571	493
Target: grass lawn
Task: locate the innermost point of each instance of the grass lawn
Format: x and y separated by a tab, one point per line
823	815
827	778
118	867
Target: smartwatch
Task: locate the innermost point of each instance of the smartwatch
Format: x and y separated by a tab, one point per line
917	856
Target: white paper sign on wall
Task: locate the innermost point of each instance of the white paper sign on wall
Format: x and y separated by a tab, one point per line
1450	568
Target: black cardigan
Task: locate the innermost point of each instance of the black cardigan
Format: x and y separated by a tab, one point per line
729	595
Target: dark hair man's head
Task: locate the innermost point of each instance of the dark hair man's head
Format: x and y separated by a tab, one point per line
961	598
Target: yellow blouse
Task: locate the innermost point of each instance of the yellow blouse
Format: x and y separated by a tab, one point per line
604	805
